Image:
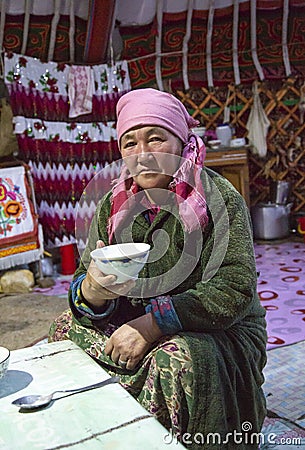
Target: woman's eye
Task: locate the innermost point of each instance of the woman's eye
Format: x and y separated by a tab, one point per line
155	139
129	144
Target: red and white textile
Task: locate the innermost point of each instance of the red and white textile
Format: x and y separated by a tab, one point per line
63	152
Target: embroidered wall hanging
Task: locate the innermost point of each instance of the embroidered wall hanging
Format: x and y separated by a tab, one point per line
18	221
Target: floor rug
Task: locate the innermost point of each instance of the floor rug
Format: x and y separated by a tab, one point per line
281	288
60	288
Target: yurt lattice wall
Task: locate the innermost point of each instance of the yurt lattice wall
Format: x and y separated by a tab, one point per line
283	103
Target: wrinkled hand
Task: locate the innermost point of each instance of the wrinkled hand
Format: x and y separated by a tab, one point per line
97	288
133	340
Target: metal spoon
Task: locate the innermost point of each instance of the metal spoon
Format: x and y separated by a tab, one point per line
38	401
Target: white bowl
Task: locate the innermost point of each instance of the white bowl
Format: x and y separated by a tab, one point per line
123	260
215	143
238	142
4	360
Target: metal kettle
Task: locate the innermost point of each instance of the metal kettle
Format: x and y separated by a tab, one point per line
280	191
270	220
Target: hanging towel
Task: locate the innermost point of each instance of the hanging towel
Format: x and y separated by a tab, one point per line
80	90
257	125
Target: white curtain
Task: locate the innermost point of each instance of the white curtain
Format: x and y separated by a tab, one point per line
139	12
45	7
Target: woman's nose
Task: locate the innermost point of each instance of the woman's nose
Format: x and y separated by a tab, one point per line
144	155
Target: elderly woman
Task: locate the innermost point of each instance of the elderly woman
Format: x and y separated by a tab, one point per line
188	337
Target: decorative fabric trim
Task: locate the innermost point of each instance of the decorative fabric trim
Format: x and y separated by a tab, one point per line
284	38
72	30
163	309
185	44
209	43
159	45
253	41
54	25
52	77
26	25
74	132
2	22
79	301
235	42
57	172
18	249
23	257
55	107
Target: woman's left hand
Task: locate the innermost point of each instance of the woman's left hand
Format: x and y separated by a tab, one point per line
131	341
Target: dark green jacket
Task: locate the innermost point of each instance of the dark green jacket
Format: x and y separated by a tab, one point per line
211	277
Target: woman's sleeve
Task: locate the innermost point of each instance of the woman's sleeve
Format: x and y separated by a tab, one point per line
165	314
79	302
98	230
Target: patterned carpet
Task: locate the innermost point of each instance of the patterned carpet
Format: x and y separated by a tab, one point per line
281	287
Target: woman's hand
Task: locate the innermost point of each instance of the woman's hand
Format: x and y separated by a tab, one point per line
97	288
131	341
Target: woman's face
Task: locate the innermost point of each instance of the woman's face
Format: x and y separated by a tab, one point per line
146	152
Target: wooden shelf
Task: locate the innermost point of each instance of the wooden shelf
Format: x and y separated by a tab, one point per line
232	163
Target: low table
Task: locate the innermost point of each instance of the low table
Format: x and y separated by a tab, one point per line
103	418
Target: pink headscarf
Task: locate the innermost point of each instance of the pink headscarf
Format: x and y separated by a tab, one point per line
143	107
